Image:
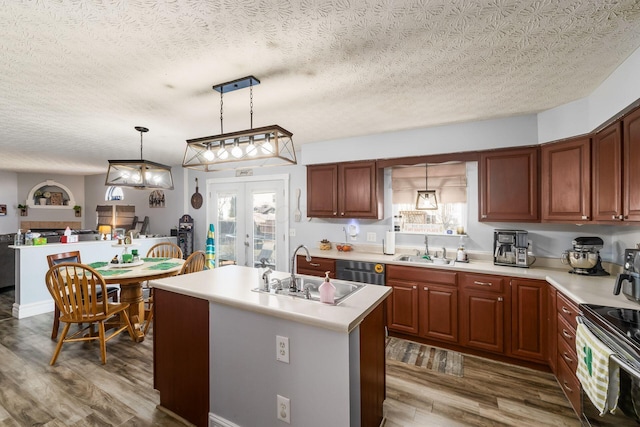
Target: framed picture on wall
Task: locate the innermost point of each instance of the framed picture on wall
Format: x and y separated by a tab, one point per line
3	210
55	199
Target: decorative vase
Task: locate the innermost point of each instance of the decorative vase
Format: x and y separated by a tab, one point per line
43	201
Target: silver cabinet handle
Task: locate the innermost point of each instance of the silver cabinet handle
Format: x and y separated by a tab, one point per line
481	283
426	289
585	217
567	334
567	386
342	213
484	216
565	310
335	213
415	287
312	264
566	357
500	299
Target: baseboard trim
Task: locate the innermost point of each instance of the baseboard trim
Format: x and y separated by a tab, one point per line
217	421
20	311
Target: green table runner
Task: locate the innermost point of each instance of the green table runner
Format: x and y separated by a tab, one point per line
163	266
98	264
113	272
155	259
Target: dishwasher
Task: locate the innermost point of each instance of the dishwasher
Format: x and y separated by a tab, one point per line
360	271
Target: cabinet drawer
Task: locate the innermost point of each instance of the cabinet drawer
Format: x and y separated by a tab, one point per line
566	332
568	310
570	385
319	265
567	353
420	274
483	282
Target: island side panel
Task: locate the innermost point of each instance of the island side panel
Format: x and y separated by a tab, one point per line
372	366
246	377
181	354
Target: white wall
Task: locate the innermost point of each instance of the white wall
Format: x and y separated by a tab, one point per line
9	197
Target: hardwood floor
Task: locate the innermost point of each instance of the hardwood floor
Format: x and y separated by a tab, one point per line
80	391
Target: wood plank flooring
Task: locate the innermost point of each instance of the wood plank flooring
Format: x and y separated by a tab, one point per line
80	391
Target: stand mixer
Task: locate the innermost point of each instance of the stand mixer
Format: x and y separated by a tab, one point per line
584	258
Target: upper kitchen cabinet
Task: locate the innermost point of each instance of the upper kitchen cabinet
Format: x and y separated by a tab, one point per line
344	190
509	185
566	181
631	166
606	178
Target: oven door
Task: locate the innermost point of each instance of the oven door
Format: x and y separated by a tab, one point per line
628	410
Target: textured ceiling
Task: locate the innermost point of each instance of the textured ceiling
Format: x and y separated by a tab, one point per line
77	76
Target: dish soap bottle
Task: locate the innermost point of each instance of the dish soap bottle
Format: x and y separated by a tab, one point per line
327	290
461	255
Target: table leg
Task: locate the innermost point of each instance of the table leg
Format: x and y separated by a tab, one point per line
132	293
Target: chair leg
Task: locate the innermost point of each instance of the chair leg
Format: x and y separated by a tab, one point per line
60	342
103	343
56	323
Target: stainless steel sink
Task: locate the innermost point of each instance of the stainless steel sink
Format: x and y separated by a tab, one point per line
310	286
419	259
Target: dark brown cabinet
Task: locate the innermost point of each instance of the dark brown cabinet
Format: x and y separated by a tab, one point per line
345	190
606	180
509	185
438	312
529	319
316	267
483	312
566	358
402	307
631	166
566	181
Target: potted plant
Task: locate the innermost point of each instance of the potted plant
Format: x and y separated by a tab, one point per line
78	210
23	209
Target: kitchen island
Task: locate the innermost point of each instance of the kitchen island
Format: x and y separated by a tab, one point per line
215	352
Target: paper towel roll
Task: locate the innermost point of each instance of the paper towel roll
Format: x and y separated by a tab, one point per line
389	243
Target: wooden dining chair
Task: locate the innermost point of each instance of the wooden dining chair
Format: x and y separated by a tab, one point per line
195	262
73	256
76	289
159	250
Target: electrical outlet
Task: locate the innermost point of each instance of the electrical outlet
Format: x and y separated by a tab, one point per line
371	237
282	348
284	409
292	232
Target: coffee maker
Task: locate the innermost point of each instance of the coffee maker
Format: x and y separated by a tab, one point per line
584	258
510	248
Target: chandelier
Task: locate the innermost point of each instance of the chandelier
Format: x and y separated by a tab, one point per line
140	174
426	199
263	146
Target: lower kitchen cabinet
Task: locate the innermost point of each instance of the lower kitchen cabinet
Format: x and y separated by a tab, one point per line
438	312
316	267
529	319
482	312
402	307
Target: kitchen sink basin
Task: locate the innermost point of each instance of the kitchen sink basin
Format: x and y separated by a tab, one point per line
420	260
310	286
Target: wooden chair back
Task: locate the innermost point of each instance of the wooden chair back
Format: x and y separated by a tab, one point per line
195	262
73	256
164	250
77	290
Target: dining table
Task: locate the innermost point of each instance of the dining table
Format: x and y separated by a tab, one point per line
131	276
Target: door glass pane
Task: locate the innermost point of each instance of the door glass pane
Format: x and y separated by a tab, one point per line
226	230
264	229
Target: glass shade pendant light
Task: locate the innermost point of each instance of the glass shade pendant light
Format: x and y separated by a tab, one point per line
264	146
140	174
426	198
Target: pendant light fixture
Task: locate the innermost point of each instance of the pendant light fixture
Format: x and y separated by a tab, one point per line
426	198
263	146
140	174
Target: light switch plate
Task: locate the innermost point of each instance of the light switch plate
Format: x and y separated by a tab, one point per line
371	237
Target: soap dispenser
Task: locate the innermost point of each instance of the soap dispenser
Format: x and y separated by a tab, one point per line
327	290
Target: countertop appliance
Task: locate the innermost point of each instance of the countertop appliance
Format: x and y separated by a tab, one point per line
372	273
584	258
619	329
629	280
510	248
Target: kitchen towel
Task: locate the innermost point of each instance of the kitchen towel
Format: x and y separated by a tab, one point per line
599	377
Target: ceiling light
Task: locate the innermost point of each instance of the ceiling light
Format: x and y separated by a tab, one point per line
139	174
426	198
264	146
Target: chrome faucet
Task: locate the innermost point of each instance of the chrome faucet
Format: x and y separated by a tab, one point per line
426	246
444	252
292	286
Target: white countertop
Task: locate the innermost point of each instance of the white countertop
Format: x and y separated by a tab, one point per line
581	289
232	285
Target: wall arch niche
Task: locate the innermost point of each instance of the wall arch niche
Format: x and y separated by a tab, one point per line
59	196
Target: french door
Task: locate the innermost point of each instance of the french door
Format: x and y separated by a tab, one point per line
250	219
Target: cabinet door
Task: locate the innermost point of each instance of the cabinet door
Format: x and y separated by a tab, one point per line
566	181
357	190
402	307
509	185
529	319
607	174
482	316
631	168
438	306
322	191
552	321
